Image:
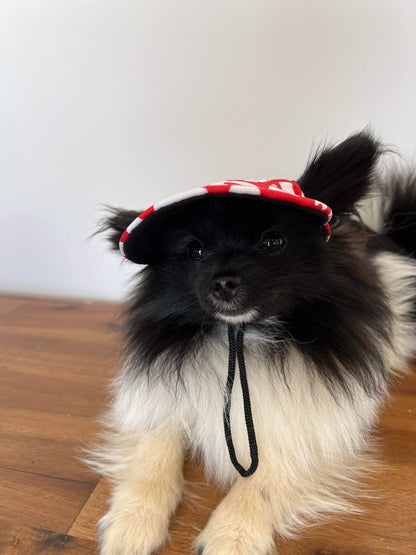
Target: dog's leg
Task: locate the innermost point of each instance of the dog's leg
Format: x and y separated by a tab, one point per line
242	524
148	487
280	502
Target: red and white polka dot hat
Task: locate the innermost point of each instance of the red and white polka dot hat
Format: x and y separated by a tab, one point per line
277	190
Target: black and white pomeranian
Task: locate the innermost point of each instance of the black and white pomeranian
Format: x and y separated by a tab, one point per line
248	288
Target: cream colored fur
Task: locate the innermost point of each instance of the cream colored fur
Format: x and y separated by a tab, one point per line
146	491
312	444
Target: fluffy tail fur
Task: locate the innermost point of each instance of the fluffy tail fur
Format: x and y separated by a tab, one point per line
399	212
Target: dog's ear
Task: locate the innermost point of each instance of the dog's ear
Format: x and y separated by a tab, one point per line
115	222
341	175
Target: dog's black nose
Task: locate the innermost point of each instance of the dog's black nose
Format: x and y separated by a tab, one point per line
225	287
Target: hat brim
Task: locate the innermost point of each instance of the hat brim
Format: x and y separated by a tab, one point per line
138	243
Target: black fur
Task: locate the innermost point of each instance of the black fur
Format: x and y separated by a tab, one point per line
325	296
400	211
116	222
342	175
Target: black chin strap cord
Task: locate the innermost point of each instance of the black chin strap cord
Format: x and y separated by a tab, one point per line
236	351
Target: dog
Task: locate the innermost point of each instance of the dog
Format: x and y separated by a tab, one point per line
281	288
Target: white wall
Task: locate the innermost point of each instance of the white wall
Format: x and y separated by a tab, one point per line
125	102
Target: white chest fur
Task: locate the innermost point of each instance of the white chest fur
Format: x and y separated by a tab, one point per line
298	422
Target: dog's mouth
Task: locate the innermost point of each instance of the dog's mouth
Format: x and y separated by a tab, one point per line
235	316
232	311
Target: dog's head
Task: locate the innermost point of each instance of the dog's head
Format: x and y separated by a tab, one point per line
245	260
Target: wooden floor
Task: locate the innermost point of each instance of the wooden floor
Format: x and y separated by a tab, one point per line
55	360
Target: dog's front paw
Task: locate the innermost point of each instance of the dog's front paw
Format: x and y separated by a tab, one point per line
232	534
136	533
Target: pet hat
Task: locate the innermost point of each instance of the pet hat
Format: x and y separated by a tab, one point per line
137	238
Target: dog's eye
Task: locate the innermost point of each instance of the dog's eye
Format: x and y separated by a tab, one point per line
196	250
272	241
